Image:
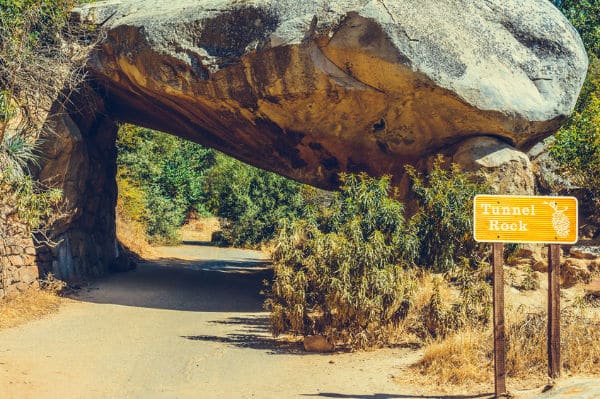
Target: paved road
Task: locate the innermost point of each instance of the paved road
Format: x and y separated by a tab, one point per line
187	326
191	325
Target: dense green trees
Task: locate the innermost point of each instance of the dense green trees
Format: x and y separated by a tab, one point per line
577	147
252	201
161	179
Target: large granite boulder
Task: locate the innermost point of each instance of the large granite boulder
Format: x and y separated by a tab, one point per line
311	88
308	89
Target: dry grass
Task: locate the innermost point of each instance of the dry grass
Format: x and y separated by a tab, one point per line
27	306
200	229
466	357
460	359
132	235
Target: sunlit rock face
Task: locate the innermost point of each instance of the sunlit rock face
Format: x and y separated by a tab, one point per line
311	88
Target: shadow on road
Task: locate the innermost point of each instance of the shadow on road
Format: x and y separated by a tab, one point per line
397	396
254	334
218	280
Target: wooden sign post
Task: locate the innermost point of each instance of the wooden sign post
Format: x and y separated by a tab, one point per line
499	330
500	219
554	311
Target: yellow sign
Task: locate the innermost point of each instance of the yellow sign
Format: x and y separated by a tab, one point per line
525	219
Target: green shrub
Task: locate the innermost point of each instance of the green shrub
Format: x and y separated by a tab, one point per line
577	145
160	179
252	201
32	203
444	221
342	272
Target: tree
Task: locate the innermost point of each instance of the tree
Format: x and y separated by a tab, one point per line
577	146
251	200
160	179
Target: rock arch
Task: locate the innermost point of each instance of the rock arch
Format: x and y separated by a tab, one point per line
306	89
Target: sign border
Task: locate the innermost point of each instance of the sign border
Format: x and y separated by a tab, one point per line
527	241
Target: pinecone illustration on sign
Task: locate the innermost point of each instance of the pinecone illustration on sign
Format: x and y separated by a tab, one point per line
560	221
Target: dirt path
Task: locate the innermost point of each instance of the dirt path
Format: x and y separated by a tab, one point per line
189	325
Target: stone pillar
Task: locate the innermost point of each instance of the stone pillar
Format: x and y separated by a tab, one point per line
81	160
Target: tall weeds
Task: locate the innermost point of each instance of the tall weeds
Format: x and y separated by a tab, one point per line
467	355
343	273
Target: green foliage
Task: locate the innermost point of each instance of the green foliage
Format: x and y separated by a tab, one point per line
444	220
27	200
529	281
341	272
17	153
178	177
160	180
29	30
252	201
585	17
33	21
577	146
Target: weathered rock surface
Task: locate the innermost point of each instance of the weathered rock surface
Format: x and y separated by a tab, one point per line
308	89
317	343
585	252
505	169
574	271
593	289
81	160
18	270
546	169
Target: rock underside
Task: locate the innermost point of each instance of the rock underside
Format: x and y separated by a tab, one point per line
309	89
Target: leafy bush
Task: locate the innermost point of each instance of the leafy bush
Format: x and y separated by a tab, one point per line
39	21
342	272
577	145
444	220
160	180
27	200
252	201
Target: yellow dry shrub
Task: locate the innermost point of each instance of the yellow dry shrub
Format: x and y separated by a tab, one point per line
30	305
130	218
466	356
461	358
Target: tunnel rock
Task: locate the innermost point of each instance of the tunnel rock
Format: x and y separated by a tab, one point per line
308	89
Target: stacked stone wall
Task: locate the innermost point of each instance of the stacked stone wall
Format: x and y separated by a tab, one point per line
18	267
